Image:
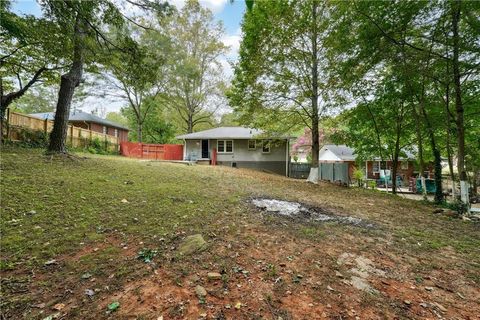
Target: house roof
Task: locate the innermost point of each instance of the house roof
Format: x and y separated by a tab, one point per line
340	151
226	133
346	153
81	116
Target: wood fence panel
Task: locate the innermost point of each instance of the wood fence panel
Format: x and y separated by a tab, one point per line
76	136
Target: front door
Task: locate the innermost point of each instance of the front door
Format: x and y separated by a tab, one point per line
205	149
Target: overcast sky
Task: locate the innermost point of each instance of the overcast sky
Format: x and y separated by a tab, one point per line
230	13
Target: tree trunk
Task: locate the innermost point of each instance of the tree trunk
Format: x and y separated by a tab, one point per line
68	84
315	117
421	163
458	102
190	124
139	131
436	154
448	139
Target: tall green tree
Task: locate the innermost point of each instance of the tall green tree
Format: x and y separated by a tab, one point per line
436	51
195	82
30	52
281	80
84	25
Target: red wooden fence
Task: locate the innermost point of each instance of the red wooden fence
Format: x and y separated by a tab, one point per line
152	151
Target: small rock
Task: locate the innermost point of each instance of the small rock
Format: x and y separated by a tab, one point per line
86	275
338	274
200	292
89	292
330	288
423	305
50	262
192	244
407	302
429	288
214	276
227	306
124	201
32	212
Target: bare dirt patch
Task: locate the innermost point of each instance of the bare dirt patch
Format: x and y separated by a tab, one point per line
302	212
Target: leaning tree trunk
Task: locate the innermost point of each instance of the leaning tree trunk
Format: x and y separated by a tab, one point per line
68	83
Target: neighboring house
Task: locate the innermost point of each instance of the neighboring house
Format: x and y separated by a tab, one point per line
238	147
91	122
341	153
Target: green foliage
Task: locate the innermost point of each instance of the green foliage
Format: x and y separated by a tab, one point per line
31	138
147	255
194	78
38	99
155	127
358	174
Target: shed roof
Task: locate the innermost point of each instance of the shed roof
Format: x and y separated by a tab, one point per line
343	152
226	133
80	116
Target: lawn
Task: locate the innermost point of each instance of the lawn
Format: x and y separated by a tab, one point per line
72	230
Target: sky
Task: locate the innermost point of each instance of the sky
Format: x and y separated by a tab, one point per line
230	13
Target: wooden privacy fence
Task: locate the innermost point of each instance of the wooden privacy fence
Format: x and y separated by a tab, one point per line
76	137
152	151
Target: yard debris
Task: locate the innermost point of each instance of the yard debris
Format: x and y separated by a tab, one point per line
58	306
86	276
192	244
113	306
304	212
361	269
50	262
52	316
214	276
32	212
89	292
124	201
440	307
429	288
238	305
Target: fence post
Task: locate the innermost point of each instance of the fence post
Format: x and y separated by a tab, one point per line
45	126
71	136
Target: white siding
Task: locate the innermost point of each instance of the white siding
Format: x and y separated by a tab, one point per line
240	151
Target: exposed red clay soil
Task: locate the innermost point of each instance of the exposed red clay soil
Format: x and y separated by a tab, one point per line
268	273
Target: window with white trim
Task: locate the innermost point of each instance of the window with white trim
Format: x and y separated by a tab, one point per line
224	146
252	144
116	133
266	145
